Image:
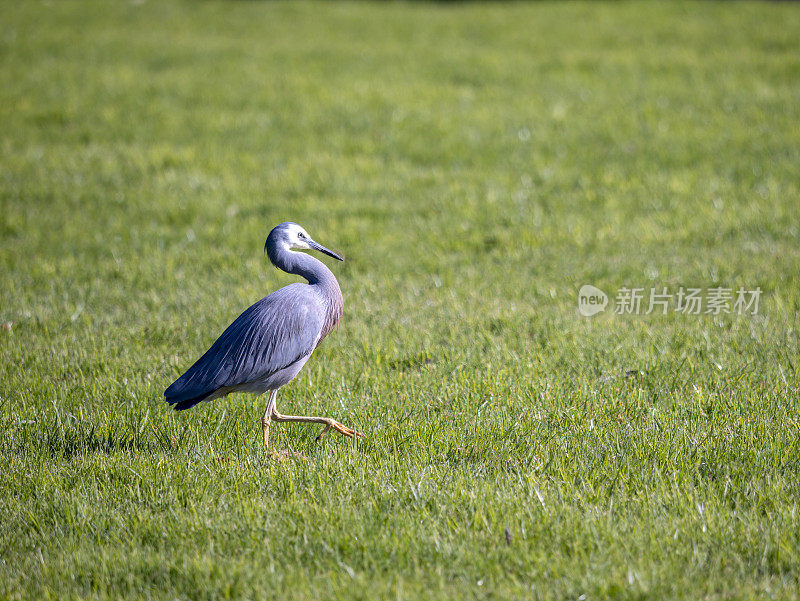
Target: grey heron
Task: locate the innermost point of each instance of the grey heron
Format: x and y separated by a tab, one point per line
268	344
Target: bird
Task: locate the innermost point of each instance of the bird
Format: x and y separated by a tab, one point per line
267	345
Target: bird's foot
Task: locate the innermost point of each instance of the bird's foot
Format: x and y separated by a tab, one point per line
285	454
340	428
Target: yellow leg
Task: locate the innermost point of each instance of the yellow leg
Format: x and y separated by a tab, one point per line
329	423
268	415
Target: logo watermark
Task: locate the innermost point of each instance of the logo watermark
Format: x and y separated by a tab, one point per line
688	301
591	300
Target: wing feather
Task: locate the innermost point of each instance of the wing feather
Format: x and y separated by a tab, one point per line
270	335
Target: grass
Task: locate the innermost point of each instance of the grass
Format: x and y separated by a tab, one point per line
476	164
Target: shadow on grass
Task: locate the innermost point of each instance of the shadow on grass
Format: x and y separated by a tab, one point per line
415	361
79	442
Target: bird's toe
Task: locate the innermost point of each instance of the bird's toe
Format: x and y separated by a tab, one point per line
342	429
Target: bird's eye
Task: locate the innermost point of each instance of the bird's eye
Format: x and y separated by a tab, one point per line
301	235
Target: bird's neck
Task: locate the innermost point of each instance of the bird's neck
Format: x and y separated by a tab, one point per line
322	278
306	266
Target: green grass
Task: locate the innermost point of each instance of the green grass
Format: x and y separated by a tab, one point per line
476	164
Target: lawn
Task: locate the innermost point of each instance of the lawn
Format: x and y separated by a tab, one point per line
476	164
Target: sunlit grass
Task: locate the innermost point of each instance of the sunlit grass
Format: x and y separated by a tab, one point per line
476	164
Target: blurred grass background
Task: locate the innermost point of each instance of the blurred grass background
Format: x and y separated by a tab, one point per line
476	164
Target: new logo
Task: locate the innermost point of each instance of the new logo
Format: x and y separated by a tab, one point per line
591	300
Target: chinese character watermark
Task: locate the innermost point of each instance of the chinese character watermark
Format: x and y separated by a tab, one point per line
629	300
688	301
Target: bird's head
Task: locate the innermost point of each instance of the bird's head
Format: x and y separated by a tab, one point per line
289	235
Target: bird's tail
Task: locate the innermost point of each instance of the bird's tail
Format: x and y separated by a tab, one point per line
187	404
177	397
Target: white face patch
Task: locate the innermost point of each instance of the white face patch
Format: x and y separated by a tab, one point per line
298	237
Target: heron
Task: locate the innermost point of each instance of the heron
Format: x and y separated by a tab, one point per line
267	345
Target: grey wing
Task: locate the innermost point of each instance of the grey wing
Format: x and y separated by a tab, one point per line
272	334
